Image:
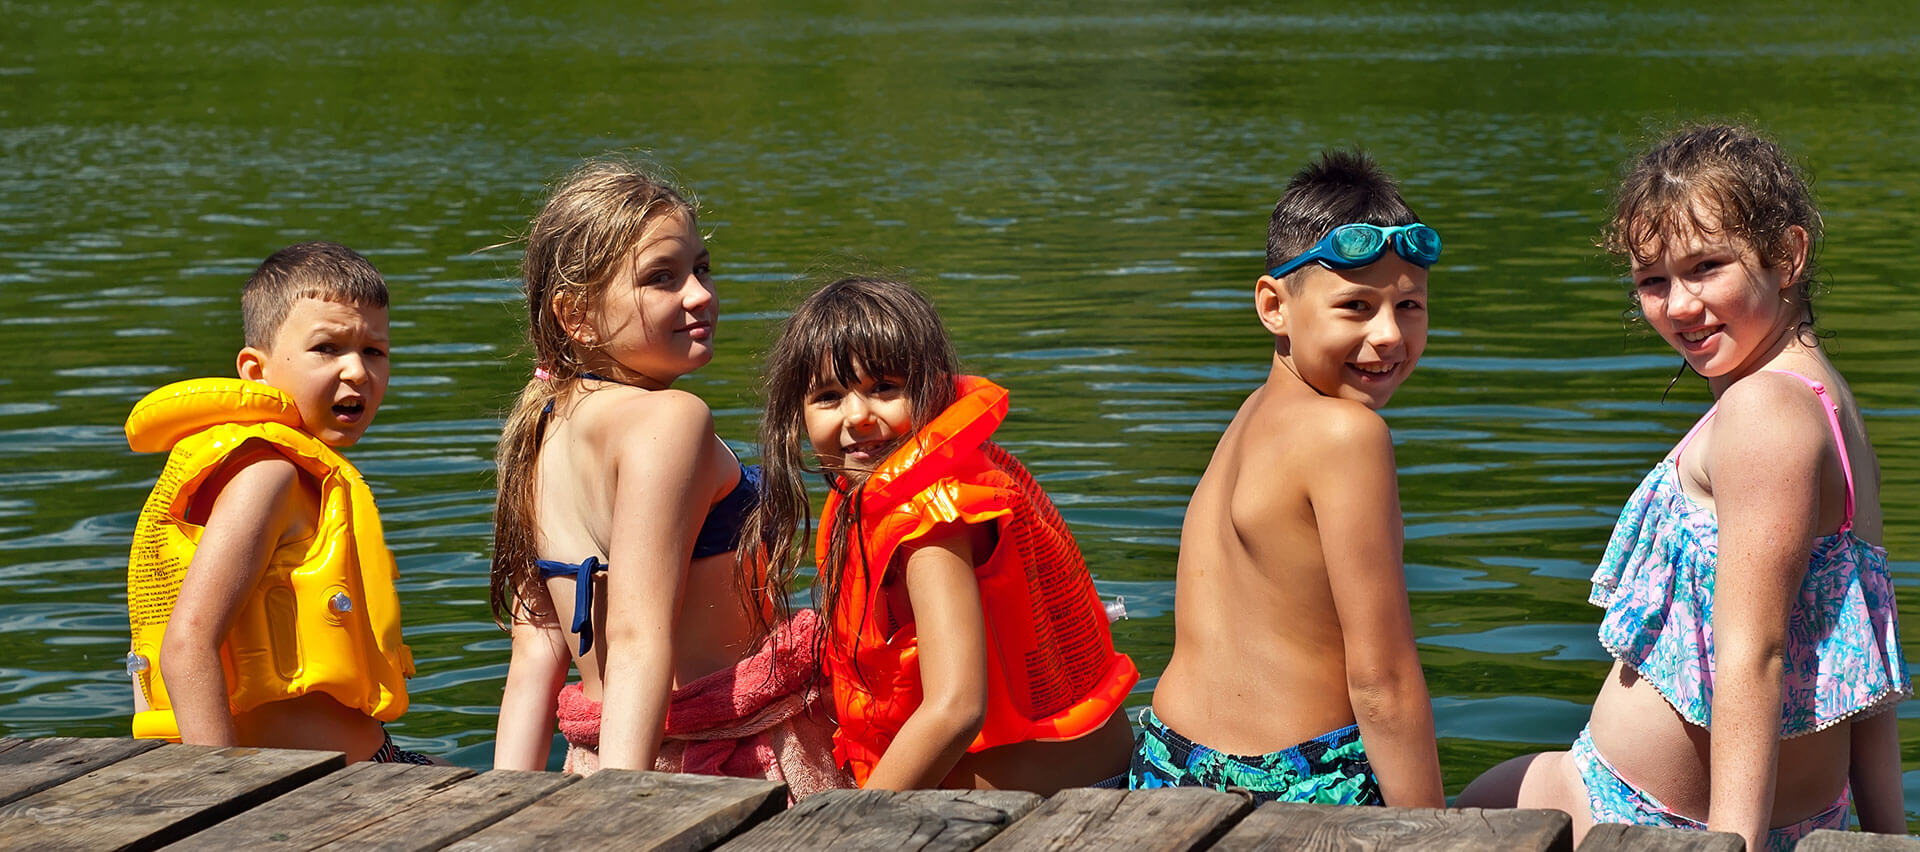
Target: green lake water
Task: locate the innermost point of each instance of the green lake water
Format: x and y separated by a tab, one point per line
1082	189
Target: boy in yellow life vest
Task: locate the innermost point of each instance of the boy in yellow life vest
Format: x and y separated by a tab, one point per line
260	590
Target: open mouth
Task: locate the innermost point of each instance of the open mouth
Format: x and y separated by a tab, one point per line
349	409
864	450
1699	334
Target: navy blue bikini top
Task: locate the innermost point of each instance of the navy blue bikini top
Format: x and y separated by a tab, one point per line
719	533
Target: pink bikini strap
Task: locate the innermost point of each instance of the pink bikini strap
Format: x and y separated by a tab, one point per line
1697	426
1839	439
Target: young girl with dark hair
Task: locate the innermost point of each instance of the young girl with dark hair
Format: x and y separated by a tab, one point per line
961	631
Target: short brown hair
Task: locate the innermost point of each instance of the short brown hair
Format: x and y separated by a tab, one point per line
313	270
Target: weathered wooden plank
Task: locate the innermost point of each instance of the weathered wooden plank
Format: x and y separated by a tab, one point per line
1289	825
457	811
1146	820
862	820
330	808
29	766
158	796
618	809
1613	837
1856	841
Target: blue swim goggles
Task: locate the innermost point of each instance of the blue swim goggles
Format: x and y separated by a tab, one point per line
1359	244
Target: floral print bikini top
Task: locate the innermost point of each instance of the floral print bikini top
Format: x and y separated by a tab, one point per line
1843	656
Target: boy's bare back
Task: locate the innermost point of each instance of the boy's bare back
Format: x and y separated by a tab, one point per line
1259	661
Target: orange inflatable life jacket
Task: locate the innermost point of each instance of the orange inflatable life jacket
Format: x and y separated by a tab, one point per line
1052	672
324	615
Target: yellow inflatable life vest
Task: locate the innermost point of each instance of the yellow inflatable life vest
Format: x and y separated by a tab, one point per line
324	616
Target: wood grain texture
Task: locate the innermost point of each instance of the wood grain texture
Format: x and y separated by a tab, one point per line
1165	820
158	796
1613	837
455	812
1856	841
29	766
328	809
630	810
882	821
1288	825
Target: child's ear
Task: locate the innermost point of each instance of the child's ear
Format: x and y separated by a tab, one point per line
570	309
251	364
1270	303
1797	248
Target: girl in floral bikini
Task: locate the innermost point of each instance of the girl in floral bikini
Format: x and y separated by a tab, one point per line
1747	605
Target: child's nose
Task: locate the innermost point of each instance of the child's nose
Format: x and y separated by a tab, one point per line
858	412
1385	331
1682	302
697	293
353	369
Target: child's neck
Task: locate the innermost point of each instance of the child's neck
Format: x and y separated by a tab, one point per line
613	373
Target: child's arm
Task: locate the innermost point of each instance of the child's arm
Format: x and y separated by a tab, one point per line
1356	506
1875	773
952	632
249	516
535	673
1763	464
665	445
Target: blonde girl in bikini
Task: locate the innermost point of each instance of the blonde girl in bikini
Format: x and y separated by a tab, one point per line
618	514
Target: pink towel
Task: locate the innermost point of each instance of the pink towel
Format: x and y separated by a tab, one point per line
759	719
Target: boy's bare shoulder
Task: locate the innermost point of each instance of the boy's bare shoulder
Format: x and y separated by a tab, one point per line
258	494
1319	428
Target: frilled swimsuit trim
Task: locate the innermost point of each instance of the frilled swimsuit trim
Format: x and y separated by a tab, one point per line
1656	581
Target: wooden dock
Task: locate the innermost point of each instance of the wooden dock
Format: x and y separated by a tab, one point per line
65	793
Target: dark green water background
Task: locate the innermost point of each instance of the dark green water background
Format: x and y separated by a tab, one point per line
1083	190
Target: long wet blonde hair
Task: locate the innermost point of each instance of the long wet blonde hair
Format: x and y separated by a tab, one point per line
591	224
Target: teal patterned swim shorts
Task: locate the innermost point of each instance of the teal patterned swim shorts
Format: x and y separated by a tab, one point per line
1330	769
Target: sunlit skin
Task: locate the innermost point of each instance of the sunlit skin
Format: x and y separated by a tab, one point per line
331	357
1766	467
852	428
1712	299
628	470
1295	530
1354	333
657	319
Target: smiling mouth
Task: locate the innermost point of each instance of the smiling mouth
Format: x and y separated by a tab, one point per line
864	449
1698	334
1381	369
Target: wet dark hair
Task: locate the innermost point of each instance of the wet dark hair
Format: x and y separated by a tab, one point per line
312	270
1727	173
886	328
1340	188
